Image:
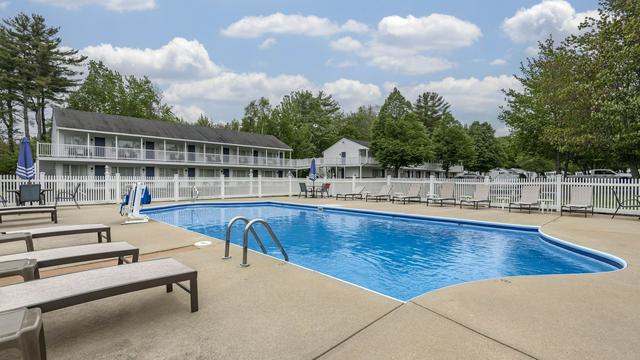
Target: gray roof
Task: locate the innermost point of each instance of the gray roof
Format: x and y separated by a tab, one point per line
361	142
84	120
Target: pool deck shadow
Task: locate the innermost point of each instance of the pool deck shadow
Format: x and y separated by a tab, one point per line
275	310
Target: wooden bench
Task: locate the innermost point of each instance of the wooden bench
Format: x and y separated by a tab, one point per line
62	291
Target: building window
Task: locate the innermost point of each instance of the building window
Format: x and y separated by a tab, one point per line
125	171
207	172
74	170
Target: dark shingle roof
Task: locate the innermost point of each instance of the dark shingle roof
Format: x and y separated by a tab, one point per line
361	142
84	120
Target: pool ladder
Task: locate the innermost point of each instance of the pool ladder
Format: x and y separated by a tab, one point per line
245	238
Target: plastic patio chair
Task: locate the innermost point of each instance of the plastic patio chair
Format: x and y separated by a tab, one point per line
633	203
69	195
325	189
303	189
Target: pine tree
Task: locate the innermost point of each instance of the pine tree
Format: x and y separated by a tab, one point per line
430	108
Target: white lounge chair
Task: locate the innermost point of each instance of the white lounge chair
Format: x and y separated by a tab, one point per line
528	198
383	194
412	194
446	194
480	195
581	197
354	195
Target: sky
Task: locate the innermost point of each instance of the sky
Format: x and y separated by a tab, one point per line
213	57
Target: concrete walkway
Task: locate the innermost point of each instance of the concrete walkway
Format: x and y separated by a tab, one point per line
275	310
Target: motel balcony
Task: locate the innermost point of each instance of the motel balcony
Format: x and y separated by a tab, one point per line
105	153
364	161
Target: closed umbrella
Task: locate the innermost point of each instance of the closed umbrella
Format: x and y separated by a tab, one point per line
25	168
313	173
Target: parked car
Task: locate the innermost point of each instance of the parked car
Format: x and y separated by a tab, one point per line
467	175
603	173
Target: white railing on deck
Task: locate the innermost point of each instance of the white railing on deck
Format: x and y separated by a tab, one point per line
110	189
46	150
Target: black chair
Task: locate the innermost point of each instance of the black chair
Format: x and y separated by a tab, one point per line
68	195
625	204
303	189
28	193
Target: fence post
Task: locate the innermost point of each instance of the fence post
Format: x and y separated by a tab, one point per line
251	182
221	186
432	184
259	185
176	188
388	180
290	185
558	191
118	188
353	183
107	188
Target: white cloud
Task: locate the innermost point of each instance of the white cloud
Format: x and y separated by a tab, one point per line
436	31
179	58
412	65
550	17
352	93
471	98
498	62
278	23
113	5
346	43
400	43
354	26
340	64
189	113
267	43
237	88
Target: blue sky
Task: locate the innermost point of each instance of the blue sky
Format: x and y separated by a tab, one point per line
215	56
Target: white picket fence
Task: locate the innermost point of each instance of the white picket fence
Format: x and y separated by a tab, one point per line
110	189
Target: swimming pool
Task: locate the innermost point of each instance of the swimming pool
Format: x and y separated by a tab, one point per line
397	255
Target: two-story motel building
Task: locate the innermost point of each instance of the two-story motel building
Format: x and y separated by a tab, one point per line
92	144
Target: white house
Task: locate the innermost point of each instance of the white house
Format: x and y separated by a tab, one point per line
347	158
85	143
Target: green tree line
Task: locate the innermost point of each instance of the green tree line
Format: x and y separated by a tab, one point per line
579	106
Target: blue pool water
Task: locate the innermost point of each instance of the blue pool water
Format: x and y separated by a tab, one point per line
398	256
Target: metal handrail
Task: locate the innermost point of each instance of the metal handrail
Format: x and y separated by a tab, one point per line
227	239
245	239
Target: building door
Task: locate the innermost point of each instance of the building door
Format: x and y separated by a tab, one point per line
225	172
150	146
255	173
191	150
341	173
191	172
150	171
99	143
99	170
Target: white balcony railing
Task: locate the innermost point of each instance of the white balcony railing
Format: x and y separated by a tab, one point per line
46	150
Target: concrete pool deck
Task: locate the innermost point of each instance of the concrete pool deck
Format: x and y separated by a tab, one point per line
277	310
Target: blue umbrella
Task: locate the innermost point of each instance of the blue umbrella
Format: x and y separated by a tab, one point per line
313	173
25	168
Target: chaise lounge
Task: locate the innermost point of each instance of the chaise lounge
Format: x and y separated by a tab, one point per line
103	231
383	194
412	194
580	198
74	254
528	198
62	291
446	194
354	195
480	196
24	210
